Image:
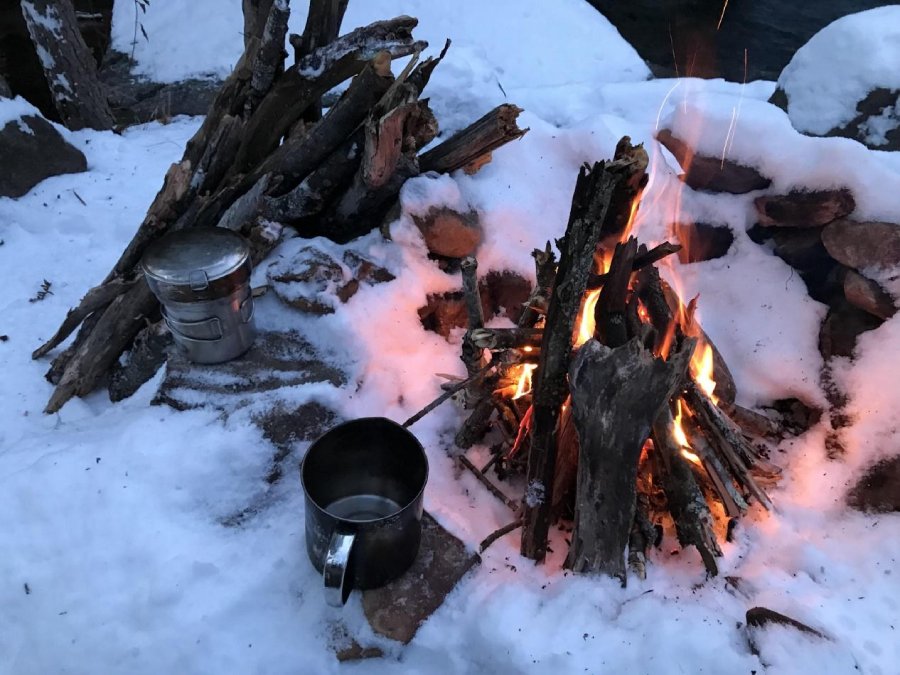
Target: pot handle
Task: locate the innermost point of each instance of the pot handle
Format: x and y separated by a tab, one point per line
338	583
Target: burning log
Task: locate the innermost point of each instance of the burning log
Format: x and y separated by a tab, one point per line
642	259
687	505
590	201
630	387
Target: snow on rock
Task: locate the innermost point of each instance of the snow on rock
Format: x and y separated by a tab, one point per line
846	80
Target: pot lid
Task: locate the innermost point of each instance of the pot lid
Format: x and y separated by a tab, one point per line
195	256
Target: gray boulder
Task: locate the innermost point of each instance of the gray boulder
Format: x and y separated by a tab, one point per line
32	150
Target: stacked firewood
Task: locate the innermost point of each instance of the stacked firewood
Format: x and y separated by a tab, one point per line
619	428
266	157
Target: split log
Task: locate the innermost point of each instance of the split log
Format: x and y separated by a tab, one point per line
323	24
686	503
726	439
256	13
496	128
590	202
69	67
630	387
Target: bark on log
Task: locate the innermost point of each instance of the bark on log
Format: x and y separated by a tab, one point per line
323	24
630	387
493	130
609	313
70	69
686	503
623	205
590	202
256	13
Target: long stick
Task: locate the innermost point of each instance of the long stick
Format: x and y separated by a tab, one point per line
459	386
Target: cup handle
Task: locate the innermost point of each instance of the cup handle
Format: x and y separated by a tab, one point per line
338	583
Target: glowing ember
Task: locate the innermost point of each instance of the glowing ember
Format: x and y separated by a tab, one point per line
690	456
702	369
523	387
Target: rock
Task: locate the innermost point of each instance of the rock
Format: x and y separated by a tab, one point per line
758	617
802	249
863	244
868	295
786	645
705	39
702	241
711	173
135	99
276	360
449	233
804	209
19	62
397	610
843	82
289	427
842	325
314	282
32	150
879	489
794	415
502	293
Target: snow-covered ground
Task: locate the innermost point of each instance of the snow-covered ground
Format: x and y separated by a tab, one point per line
112	554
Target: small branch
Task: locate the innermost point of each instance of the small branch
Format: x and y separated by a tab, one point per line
506	338
496	534
484	480
641	260
459	386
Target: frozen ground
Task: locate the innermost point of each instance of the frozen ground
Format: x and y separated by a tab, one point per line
113	555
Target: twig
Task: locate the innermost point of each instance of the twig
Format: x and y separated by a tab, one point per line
459	386
484	480
641	260
496	534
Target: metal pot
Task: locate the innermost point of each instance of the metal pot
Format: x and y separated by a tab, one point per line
364	483
202	278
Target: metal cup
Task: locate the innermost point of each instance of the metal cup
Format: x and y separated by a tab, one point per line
364	483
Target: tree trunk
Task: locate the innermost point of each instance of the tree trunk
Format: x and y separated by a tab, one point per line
69	67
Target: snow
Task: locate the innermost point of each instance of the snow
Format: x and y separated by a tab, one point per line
112	513
13	109
839	66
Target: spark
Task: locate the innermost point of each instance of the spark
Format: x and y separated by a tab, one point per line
722	15
663	104
674	59
736	114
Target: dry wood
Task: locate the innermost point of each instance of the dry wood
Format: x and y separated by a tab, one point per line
69	67
323	23
686	503
507	338
493	130
590	202
721	479
545	273
726	439
256	13
629	387
609	312
642	259
623	204
496	534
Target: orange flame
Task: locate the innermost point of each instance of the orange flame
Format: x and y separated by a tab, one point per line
586	323
523	386
702	369
681	438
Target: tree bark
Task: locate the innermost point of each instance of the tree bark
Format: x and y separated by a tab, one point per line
69	67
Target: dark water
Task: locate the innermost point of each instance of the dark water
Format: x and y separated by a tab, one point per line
363	507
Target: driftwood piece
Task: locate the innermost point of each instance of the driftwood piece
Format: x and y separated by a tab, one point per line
686	503
69	67
616	396
496	128
590	202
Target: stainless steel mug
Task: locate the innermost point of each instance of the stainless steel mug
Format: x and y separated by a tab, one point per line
202	278
364	482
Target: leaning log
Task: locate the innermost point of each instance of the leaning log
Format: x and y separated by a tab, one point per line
68	64
630	386
590	202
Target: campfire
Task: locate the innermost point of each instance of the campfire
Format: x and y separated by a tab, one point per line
608	395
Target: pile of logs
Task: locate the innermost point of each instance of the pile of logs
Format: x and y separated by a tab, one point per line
598	431
266	158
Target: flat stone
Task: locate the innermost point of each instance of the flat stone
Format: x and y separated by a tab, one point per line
863	244
879	489
449	233
276	360
843	324
868	295
289	428
804	208
32	150
397	610
711	173
346	647
702	241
